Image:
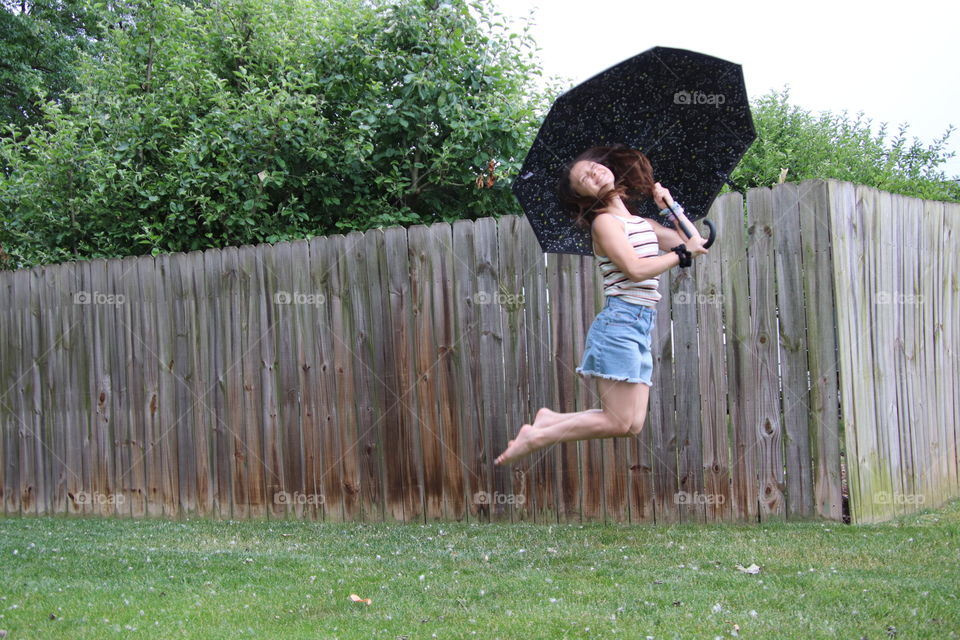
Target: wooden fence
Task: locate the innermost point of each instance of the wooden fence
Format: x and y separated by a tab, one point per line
375	376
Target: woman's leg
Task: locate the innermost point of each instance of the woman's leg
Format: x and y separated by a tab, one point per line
640	414
619	401
545	417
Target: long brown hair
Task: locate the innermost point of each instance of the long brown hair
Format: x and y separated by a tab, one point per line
633	181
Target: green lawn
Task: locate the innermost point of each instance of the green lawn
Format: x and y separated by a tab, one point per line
103	578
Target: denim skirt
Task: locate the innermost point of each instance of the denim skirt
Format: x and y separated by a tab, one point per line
618	343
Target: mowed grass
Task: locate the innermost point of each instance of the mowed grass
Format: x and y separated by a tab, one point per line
105	578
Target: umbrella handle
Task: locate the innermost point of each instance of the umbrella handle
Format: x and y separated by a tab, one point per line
686	231
713	233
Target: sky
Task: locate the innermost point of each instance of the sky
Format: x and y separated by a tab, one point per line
895	62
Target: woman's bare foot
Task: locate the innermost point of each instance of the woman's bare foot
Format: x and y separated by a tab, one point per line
522	445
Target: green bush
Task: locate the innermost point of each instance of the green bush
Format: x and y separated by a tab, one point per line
838	146
249	122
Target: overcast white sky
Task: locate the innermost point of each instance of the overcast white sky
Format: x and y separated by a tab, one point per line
896	62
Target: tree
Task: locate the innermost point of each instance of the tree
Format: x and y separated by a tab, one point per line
836	146
41	43
247	122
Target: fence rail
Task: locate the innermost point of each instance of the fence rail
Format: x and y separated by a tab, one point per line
375	376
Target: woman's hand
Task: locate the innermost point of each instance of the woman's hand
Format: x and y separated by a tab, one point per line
662	196
695	246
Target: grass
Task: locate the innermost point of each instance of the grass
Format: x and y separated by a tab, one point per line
102	578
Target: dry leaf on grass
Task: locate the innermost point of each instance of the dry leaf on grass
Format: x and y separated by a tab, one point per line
357	598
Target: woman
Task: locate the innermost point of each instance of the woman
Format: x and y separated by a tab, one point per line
601	188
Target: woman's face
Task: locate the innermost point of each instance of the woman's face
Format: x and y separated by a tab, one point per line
588	177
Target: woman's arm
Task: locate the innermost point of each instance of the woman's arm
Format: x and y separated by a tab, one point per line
609	236
667	239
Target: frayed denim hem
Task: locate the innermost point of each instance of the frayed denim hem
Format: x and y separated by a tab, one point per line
609	377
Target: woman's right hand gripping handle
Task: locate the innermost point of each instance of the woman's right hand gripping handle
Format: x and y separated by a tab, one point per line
695	245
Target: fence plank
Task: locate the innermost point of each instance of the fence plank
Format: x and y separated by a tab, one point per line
23	394
663	412
73	378
234	452
252	298
39	424
917	428
114	320
374	481
764	404
423	399
327	434
53	385
688	399
18	467
584	306
359	340
792	345
822	422
208	409
541	474
508	298
950	321
739	358
104	489
713	381
928	217
473	448
149	352
564	314
217	277
270	384
129	311
293	260
443	371
854	349
311	377
889	258
404	457
345	348
87	388
9	372
285	305
493	385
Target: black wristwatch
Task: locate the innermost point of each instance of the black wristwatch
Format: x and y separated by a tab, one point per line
686	259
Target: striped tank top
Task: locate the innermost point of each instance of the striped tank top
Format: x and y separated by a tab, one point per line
615	283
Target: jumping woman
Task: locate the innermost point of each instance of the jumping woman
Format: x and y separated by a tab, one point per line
601	188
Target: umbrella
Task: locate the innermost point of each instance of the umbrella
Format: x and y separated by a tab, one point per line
687	111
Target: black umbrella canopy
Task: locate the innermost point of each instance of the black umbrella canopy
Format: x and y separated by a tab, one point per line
687	111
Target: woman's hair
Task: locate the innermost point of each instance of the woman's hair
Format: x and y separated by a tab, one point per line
633	181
